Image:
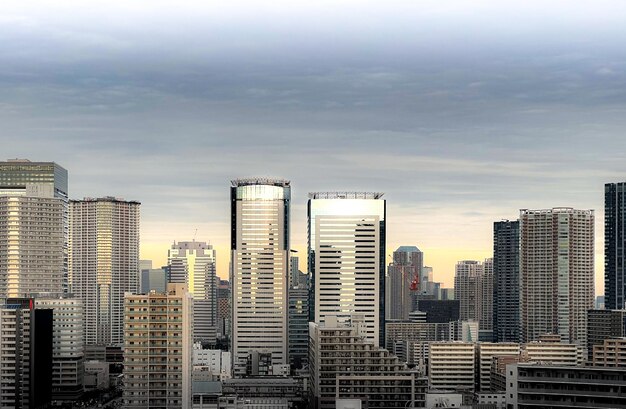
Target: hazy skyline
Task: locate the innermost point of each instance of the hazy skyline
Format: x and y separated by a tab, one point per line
461	113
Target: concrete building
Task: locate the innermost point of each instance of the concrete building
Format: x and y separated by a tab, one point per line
612	353
96	376
103	263
347	258
473	288
33	229
506	281
408	262
224	311
486	352
158	342
451	365
193	263
554	353
298	326
218	362
152	279
604	324
556	273
26	343
440	310
366	372
260	210
67	347
485	320
539	386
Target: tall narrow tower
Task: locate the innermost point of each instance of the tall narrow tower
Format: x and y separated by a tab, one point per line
104	263
33	229
260	266
506	281
615	246
193	263
556	273
347	259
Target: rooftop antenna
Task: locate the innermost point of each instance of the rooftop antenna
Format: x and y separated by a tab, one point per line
195	234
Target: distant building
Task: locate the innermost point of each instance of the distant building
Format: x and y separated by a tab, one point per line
193	263
158	325
473	288
152	279
218	362
406	268
103	263
440	310
298	326
224	310
506	281
612	353
33	232
556	273
347	258
614	246
553	353
486	352
451	365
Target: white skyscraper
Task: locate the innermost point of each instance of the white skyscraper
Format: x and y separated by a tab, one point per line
33	228
104	263
193	263
260	266
347	258
556	273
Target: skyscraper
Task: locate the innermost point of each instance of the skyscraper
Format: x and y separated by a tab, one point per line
407	266
193	263
467	282
347	258
556	273
260	211
486	302
33	228
615	246
104	263
506	281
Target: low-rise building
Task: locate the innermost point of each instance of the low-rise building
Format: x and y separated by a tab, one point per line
96	375
554	353
612	353
486	352
451	365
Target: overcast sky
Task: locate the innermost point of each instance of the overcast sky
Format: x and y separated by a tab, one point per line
461	112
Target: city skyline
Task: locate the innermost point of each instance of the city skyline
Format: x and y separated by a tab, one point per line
461	114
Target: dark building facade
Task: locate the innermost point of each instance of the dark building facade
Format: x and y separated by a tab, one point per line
604	324
506	298
614	246
439	310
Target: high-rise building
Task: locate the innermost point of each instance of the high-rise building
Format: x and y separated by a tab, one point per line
298	326
104	263
603	325
440	310
406	269
467	282
485	294
347	258
614	246
25	355
193	263
260	211
67	346
224	314
33	229
556	273
158	349
506	281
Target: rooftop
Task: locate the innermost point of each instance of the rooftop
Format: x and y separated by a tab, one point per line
260	181
345	195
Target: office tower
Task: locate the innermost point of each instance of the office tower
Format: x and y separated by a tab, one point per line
614	246
556	273
602	325
260	211
347	258
368	372
506	281
298	326
223	309
467	283
154	279
193	263
451	365
440	310
158	349
67	346
25	355
33	229
486	352
104	263
404	277
485	295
